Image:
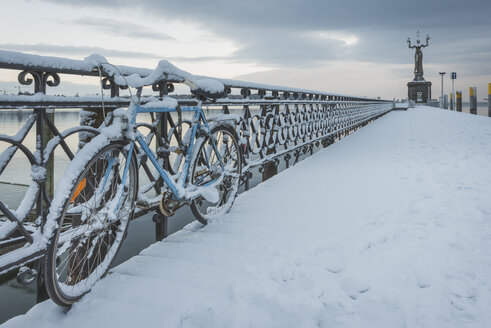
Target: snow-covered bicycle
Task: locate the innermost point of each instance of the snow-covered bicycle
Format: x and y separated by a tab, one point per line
96	198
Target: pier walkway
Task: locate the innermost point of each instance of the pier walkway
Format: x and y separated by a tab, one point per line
390	227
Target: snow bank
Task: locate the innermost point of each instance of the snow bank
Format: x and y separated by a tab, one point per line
389	227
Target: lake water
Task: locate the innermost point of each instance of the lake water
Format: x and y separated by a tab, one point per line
16	299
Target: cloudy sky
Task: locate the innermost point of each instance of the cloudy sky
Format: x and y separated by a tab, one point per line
354	47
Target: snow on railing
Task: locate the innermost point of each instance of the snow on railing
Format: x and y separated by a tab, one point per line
274	124
168	72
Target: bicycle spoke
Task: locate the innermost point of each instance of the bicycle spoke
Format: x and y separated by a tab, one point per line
89	233
217	165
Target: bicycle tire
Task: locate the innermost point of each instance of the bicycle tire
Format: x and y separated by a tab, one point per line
228	146
86	228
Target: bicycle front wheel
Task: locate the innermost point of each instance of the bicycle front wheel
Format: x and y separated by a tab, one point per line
216	161
91	225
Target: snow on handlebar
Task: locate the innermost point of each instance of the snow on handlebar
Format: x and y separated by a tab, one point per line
200	86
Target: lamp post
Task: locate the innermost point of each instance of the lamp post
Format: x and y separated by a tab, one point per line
442	105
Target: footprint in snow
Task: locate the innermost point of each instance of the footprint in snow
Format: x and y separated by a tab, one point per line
335	266
423	284
354	287
423	278
361	290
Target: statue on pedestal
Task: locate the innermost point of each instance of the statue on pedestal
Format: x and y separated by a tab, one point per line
419	90
418	56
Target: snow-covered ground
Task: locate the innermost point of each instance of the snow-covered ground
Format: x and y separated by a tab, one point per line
390	227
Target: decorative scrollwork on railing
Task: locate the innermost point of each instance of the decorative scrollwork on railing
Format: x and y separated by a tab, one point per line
109	84
46	81
36	77
40	79
163	87
245	92
282	128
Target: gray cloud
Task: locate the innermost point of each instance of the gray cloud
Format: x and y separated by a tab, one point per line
202	59
122	28
311	14
83	51
293	49
75	50
275	33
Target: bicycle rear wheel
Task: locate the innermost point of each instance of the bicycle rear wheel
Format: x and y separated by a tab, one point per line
91	225
207	170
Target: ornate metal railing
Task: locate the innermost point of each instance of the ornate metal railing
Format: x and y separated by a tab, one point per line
274	124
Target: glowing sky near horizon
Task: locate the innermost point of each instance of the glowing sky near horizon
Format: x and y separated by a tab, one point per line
354	47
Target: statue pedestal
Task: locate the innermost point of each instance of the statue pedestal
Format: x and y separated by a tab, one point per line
419	91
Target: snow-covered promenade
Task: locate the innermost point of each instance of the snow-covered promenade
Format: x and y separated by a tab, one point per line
389	227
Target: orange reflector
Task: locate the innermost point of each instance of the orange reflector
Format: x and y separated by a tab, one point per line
79	189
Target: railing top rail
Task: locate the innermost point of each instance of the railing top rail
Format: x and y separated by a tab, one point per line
23	61
45	101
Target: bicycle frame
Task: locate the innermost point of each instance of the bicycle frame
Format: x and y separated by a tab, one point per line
177	189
